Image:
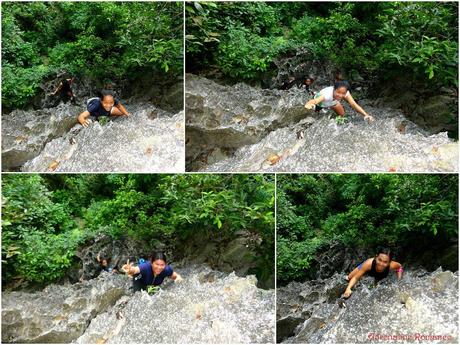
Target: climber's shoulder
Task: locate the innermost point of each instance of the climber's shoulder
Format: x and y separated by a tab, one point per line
394	265
367	265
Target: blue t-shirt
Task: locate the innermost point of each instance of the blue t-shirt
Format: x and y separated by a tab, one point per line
147	274
95	108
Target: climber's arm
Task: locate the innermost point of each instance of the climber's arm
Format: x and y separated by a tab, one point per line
312	102
122	109
367	265
83	118
176	277
397	267
130	270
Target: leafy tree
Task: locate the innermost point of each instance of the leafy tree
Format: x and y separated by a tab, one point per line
46	217
360	210
115	40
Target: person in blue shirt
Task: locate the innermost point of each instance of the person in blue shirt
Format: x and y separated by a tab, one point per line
105	105
151	273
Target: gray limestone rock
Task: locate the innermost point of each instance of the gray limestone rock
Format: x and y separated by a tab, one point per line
59	313
123	144
245	129
421	306
26	132
203	308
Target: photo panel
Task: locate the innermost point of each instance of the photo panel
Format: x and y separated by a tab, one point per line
138	258
92	86
367	258
321	86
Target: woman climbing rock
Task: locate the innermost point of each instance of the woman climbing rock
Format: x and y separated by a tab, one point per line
105	105
151	274
65	90
378	267
331	96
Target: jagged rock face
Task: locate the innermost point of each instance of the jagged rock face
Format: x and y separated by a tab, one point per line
59	313
150	140
433	110
237	255
421	303
206	307
25	132
300	65
268	140
231	117
116	251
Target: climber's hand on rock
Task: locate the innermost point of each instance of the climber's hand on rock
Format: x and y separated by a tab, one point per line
309	106
84	122
369	119
347	293
178	278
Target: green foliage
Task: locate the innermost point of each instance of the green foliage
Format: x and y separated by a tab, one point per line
422	37
242	39
115	40
33	226
339	37
362	210
40	215
245	55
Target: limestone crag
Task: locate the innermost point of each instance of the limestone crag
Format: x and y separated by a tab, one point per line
151	140
206	307
241	128
26	132
230	117
422	304
59	313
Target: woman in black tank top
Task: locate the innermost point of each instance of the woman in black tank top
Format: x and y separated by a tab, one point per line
378	267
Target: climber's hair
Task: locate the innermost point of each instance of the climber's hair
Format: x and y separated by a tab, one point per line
342	83
386	251
158	256
104	93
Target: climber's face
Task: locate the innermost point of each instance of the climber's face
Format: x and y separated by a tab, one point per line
104	263
340	93
108	102
158	266
382	262
308	81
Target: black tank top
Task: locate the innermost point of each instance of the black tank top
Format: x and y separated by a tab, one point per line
378	275
66	86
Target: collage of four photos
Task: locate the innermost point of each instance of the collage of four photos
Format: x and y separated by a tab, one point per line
229	172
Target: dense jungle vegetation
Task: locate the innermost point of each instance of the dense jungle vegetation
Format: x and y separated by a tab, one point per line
46	217
99	40
242	39
361	210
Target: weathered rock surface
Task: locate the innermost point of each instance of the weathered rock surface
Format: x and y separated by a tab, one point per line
240	128
116	251
230	117
422	304
206	307
59	313
150	140
25	132
434	111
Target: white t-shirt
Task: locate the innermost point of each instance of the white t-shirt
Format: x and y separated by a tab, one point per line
328	93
